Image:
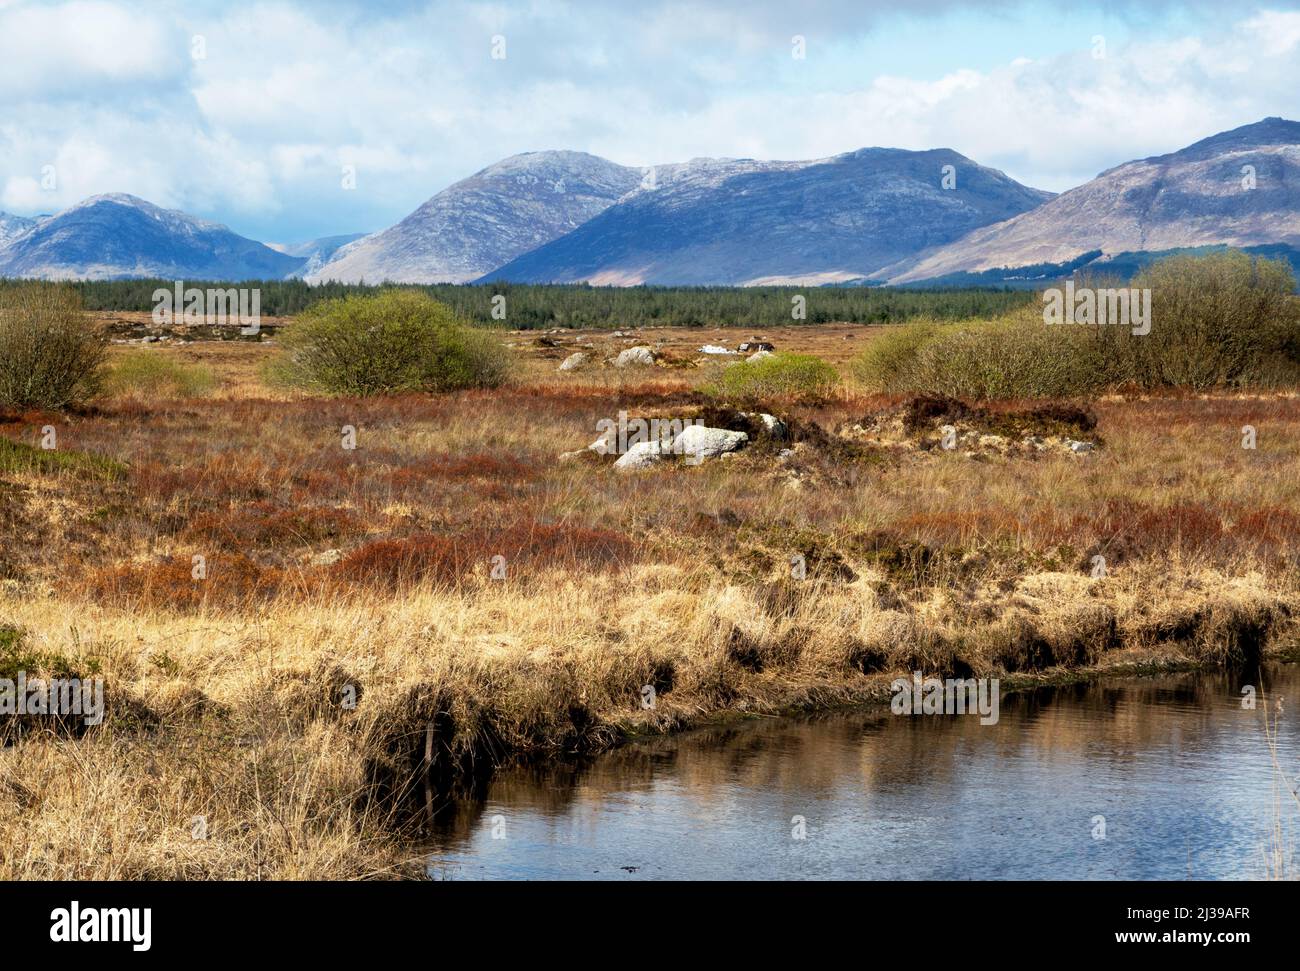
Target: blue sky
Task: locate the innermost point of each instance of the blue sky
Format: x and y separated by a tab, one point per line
255	131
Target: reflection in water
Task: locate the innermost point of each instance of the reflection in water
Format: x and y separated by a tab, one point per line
1181	773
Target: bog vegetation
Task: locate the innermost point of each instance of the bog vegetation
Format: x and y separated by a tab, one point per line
147	373
367	573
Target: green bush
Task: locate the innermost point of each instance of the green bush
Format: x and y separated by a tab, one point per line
153	375
800	377
395	340
889	361
50	353
1223	320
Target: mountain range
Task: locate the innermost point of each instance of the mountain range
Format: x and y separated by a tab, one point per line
744	222
876	215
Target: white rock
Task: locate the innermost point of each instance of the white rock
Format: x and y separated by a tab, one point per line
327	558
640	356
642	455
772	424
758	356
697	442
1079	446
714	349
575	361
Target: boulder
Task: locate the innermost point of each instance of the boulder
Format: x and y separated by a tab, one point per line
758	356
697	443
757	346
575	361
640	356
1078	447
642	455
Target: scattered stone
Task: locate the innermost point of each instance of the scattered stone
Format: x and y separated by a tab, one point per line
642	455
575	361
640	356
773	425
697	443
327	558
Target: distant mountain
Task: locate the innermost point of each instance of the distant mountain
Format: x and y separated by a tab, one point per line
486	220
747	222
316	252
119	236
1190	198
11	227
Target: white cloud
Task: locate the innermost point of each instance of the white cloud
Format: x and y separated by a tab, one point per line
256	133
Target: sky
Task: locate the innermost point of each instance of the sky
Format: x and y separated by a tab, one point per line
289	121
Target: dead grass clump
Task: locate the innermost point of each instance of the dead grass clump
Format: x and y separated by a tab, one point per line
1077	637
522	548
264	525
1225	628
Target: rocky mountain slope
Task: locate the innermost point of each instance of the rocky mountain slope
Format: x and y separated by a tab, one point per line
1240	187
117	236
481	222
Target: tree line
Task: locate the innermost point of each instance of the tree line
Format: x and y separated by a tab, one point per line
536	306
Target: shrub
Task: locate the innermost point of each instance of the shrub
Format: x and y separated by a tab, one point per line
150	374
1219	320
50	353
801	377
1017	356
1225	319
395	340
888	362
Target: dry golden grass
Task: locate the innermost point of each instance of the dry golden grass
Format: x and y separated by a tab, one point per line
228	695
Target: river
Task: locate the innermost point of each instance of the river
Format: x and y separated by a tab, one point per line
1165	777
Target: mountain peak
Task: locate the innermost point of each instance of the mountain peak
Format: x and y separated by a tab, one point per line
1260	134
481	222
1236	188
117	235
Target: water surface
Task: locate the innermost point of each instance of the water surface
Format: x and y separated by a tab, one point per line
1180	772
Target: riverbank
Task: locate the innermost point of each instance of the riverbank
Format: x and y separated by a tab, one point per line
1158	776
304	644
